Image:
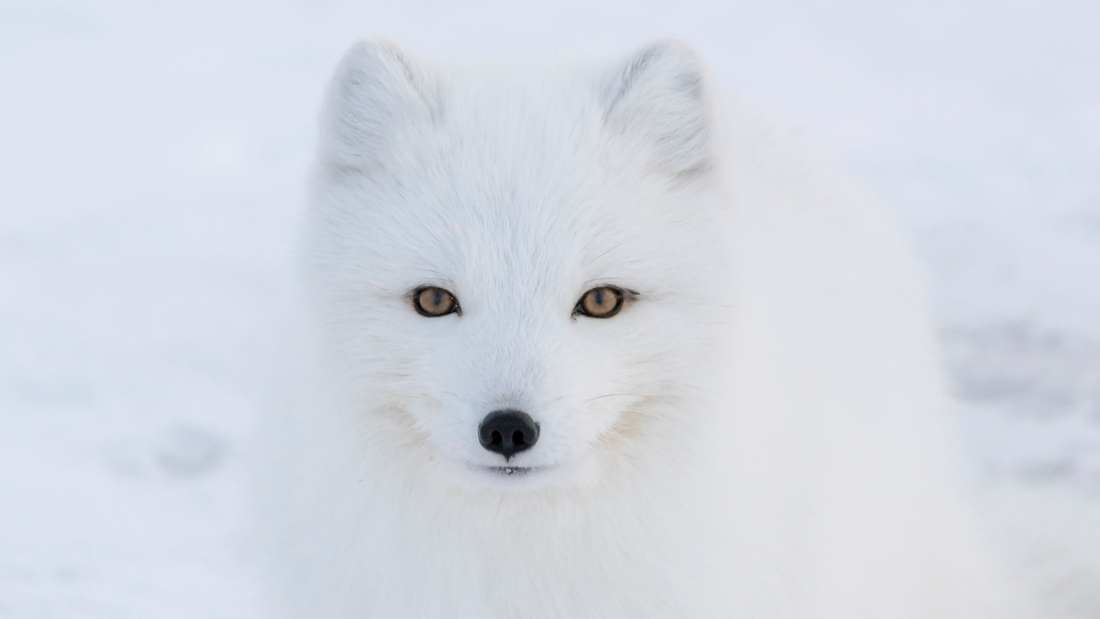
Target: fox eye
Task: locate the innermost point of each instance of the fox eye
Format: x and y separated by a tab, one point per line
601	302
433	302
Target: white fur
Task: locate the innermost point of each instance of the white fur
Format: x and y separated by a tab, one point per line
761	434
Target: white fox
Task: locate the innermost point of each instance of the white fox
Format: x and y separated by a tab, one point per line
585	344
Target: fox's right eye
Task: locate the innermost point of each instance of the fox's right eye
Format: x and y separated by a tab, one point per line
432	301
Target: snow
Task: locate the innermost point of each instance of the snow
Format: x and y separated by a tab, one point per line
153	161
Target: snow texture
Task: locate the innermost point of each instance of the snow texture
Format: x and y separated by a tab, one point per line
153	159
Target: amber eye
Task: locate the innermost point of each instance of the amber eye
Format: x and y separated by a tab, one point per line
433	302
602	302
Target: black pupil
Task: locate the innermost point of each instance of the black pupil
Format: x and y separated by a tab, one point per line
437	298
599	298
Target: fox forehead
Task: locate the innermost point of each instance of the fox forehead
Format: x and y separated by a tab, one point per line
502	151
496	179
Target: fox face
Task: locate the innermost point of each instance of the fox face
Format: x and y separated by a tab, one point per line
520	277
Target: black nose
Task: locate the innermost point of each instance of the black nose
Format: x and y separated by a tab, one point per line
508	432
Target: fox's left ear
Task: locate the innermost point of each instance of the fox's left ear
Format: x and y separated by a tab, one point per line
657	104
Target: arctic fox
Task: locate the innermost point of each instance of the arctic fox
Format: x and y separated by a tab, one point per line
585	344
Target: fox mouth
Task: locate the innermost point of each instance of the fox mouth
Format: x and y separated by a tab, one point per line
511	471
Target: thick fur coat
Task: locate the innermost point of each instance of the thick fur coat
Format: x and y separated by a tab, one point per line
760	432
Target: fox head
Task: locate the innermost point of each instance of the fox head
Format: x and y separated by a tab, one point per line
520	274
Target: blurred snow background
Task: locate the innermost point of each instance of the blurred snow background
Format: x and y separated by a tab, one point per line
151	163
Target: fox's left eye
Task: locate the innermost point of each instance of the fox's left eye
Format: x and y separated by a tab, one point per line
602	302
433	302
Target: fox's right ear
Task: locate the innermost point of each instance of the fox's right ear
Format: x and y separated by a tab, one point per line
377	91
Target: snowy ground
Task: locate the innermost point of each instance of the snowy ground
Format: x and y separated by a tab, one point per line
152	160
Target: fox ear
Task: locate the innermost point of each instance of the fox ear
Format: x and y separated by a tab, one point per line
377	92
656	102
